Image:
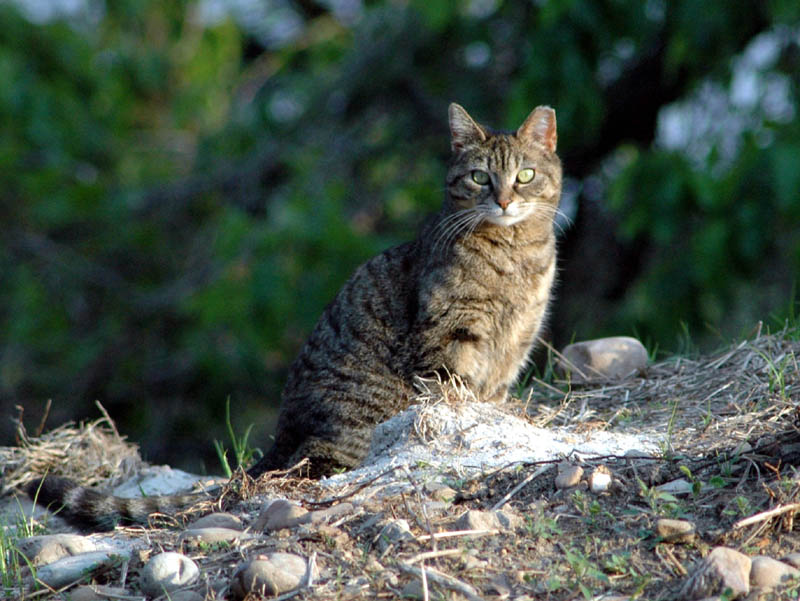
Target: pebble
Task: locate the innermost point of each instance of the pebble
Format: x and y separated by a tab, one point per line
218	520
722	568
321	515
680	486
166	572
768	573
270	574
600	480
97	592
603	359
213	535
392	533
281	514
675	531
69	569
568	476
475	519
44	549
440	492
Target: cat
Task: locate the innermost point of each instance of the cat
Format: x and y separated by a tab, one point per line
468	297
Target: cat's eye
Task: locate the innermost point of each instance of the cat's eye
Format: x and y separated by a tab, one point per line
480	177
525	176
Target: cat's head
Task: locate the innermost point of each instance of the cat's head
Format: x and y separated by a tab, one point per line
504	178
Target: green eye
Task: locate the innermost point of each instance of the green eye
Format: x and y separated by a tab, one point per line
525	176
480	177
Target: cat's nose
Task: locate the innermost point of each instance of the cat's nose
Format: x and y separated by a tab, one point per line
503	201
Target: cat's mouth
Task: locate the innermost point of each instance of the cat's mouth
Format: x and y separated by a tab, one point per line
512	214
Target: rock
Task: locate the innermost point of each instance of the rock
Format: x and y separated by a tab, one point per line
603	359
184	596
600	480
679	486
392	533
793	559
270	574
213	535
72	568
768	573
40	550
475	519
439	491
568	476
218	520
97	592
321	515
279	515
675	531
166	572
722	568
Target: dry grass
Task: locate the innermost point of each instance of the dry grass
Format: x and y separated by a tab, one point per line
730	426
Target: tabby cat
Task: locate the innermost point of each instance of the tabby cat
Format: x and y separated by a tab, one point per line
468	297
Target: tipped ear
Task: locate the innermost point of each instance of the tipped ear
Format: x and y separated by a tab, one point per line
540	128
463	130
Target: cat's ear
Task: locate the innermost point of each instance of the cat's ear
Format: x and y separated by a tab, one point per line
463	130
540	128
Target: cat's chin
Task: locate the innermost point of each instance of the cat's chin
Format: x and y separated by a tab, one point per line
505	219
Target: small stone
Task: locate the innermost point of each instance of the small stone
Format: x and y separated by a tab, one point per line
413	590
675	531
722	568
212	535
568	476
218	520
679	486
97	592
72	568
600	480
166	572
392	533
475	519
279	515
637	454
603	359
768	573
44	549
270	574
440	492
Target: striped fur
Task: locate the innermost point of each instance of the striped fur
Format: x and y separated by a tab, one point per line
467	296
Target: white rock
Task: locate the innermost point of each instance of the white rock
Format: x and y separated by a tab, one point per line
166	572
600	480
603	359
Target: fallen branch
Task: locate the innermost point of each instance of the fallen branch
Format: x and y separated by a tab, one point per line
766	515
443	580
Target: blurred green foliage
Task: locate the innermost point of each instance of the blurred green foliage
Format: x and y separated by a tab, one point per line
181	197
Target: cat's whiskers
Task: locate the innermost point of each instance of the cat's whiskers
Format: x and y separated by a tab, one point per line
449	228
